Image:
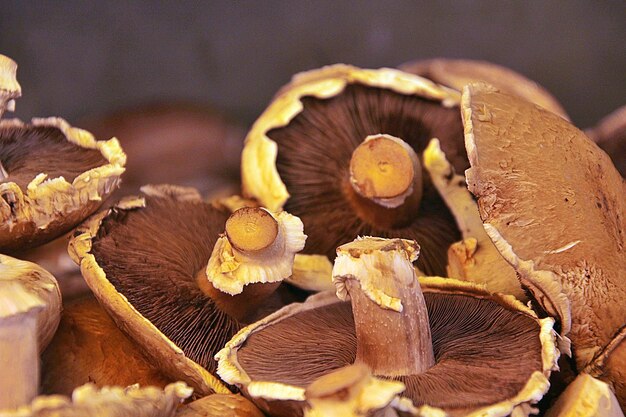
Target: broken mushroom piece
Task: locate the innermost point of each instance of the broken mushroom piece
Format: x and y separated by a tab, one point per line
457	347
340	148
475	258
456	73
159	265
586	397
53	177
610	135
90	401
555	207
9	87
30	308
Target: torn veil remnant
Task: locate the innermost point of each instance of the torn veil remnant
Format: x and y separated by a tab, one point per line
9	87
162	268
340	146
387	328
555	207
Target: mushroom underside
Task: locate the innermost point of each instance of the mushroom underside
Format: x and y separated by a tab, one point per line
483	354
314	152
151	255
26	152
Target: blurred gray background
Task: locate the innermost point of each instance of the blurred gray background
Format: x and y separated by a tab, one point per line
81	58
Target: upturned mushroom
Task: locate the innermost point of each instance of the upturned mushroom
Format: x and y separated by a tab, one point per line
456	73
555	207
455	346
179	275
340	147
30	308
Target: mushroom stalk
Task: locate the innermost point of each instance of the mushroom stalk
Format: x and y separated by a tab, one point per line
251	259
391	320
386	181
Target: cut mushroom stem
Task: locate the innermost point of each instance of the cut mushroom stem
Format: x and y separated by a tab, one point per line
250	260
391	320
386	175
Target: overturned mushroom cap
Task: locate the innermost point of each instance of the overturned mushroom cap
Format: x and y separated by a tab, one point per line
53	176
89	347
9	87
456	73
492	354
89	401
610	135
147	260
586	397
555	207
333	149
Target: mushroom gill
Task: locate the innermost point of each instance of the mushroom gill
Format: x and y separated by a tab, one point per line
488	352
308	153
156	264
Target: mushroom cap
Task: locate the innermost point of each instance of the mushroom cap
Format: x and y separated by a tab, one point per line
471	329
297	154
177	143
610	135
158	242
58	175
9	87
555	207
112	401
456	73
27	287
89	347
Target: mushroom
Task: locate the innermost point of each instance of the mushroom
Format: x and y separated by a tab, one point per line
220	405
161	268
475	258
586	397
610	135
176	142
555	207
456	347
9	87
456	73
30	307
339	147
90	401
89	347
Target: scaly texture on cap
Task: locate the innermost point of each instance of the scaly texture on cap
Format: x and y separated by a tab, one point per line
555	207
9	87
54	176
456	73
89	401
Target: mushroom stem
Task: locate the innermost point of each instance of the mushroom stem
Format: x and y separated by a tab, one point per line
386	180
251	229
391	320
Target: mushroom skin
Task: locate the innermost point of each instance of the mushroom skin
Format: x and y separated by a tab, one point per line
276	170
456	73
9	87
555	207
36	209
325	325
610	135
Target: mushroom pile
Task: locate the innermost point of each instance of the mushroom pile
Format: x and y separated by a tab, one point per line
434	240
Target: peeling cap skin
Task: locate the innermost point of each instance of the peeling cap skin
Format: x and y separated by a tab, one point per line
9	87
89	347
53	176
586	397
145	260
317	337
456	73
555	207
300	156
113	401
610	135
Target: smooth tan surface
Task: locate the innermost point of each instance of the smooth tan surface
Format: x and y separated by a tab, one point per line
251	229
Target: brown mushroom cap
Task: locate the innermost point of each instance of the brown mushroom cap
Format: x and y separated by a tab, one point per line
555	207
456	73
610	135
142	259
297	155
89	347
488	350
54	176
